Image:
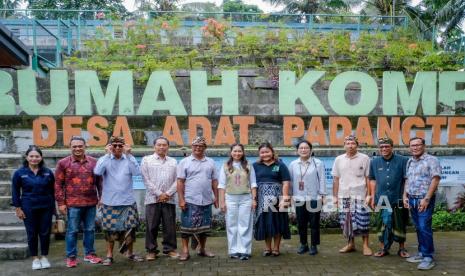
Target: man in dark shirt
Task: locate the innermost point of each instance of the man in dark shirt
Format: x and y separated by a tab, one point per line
77	192
387	177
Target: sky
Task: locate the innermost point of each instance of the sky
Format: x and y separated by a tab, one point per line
266	7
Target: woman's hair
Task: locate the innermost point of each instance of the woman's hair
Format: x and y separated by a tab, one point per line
33	148
269	146
244	162
304	142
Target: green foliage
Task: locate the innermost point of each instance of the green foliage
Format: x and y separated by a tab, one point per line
239	6
440	61
158	45
116	7
444	220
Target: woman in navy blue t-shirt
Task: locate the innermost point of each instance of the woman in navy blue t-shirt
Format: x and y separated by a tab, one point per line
33	197
273	180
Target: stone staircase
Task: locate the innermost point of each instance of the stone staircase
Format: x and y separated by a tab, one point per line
13	240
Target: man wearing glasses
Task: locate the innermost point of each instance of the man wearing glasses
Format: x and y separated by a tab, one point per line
197	188
387	178
423	175
119	209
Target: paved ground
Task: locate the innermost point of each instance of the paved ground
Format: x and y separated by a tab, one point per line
450	247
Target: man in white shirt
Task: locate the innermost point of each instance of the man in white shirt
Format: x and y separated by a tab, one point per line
351	194
159	174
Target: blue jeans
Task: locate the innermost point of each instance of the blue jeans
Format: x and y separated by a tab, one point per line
423	225
76	215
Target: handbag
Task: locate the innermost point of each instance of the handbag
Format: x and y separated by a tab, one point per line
59	225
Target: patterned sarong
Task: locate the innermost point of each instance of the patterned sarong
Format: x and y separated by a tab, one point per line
354	218
268	221
119	218
391	225
196	219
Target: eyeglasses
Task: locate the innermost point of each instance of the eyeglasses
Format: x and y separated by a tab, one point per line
198	146
385	147
117	145
416	145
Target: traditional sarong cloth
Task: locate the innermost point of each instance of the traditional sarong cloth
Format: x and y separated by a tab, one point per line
118	220
354	218
269	222
196	220
391	225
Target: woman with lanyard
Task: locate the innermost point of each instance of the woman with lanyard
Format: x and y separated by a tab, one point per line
34	198
309	189
237	194
271	220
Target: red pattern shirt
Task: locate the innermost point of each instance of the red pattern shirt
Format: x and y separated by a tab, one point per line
76	185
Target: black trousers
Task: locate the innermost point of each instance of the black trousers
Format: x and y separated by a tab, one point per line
38	223
308	214
164	214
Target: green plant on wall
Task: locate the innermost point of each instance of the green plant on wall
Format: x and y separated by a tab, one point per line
159	44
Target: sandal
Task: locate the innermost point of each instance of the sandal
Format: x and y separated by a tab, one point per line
275	253
403	253
108	261
367	251
347	249
204	253
381	253
266	253
136	258
184	256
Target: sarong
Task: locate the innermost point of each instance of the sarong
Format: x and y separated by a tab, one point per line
117	221
196	219
269	222
354	218
391	225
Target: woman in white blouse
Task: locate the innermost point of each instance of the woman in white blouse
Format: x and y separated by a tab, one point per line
237	192
308	189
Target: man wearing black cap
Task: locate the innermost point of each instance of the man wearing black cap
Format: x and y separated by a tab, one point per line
387	179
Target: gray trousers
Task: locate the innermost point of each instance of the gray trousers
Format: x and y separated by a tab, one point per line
164	214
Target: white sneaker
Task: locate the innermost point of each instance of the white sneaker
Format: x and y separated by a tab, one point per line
36	264
426	264
44	262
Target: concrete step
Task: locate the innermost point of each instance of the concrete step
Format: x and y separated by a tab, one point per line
9	218
5	188
7	174
5	203
13	234
9	161
13	251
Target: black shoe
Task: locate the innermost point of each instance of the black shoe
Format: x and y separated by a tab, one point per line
313	250
245	257
235	256
302	249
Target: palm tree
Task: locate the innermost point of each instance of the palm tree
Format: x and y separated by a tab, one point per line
8	4
311	6
429	17
447	16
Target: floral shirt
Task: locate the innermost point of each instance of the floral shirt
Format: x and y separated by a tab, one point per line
420	172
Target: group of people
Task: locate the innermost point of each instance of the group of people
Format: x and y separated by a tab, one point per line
256	199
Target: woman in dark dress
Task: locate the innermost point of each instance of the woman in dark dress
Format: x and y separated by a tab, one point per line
272	220
33	197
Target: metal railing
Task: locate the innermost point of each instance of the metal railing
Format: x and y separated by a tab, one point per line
307	21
